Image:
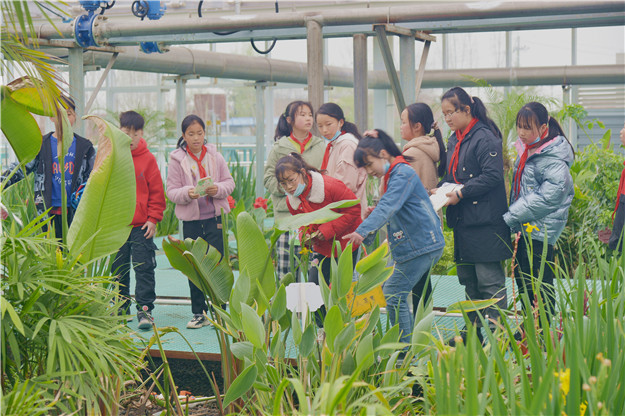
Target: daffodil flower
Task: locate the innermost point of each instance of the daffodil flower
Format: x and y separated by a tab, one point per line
529	227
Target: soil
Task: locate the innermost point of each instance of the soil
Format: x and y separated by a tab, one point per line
188	376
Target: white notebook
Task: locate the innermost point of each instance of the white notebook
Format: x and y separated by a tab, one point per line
439	198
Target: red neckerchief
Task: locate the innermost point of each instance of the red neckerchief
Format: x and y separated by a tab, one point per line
460	135
621	190
387	175
199	161
302	145
326	155
519	171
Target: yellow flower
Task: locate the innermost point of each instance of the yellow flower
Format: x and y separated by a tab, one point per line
304	251
565	381
582	408
529	227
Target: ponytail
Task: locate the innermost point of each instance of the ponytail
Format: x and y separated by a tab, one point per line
442	152
284	128
351	128
460	99
422	113
372	146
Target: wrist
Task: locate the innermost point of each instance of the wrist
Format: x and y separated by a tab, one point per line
458	195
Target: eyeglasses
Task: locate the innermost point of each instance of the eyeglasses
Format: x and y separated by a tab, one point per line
448	115
289	181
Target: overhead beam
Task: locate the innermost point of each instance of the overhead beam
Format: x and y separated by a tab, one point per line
436	18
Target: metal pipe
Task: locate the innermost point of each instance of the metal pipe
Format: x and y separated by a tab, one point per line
184	61
381	15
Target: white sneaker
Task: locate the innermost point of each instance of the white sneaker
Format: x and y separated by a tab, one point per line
198	321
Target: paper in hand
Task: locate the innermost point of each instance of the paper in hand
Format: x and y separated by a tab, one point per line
202	184
439	198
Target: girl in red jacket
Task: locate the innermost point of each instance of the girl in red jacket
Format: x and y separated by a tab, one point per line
308	190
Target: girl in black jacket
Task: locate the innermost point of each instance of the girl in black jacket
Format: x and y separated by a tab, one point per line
481	237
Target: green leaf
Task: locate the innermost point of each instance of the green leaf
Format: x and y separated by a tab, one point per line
372	259
345	337
333	324
296	326
471	305
15	319
254	256
421	333
242	350
278	306
320	216
20	128
26	92
373	278
345	272
308	341
241	384
364	352
252	326
101	224
241	291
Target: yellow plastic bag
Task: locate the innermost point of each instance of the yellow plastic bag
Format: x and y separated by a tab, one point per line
365	302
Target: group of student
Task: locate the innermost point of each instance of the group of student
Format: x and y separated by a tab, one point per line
304	173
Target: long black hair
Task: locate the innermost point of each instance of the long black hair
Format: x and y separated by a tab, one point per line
460	99
533	115
422	113
336	112
284	128
293	161
186	123
372	146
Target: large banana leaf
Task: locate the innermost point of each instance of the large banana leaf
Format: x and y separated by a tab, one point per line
101	224
202	265
27	92
319	216
20	128
254	256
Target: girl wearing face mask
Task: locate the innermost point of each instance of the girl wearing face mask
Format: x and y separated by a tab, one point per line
541	194
338	160
200	213
292	136
414	230
308	190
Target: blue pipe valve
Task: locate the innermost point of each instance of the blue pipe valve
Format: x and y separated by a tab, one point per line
152	9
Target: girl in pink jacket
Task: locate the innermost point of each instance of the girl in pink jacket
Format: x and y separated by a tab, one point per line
199	208
338	160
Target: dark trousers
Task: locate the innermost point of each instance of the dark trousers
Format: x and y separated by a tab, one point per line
140	252
483	281
210	231
57	221
529	267
421	290
326	269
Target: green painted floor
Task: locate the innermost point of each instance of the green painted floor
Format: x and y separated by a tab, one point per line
173	309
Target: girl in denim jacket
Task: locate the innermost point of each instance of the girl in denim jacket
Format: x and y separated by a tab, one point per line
414	234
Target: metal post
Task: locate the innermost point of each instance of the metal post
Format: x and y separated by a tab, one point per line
444	44
421	71
314	42
260	137
360	82
77	86
574	93
407	74
94	94
181	101
380	97
387	54
110	92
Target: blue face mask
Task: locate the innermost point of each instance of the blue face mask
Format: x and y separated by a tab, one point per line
300	188
387	166
336	135
535	141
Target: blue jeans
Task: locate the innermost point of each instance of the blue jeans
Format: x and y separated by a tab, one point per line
399	286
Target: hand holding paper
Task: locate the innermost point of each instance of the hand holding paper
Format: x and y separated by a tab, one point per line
202	185
439	198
